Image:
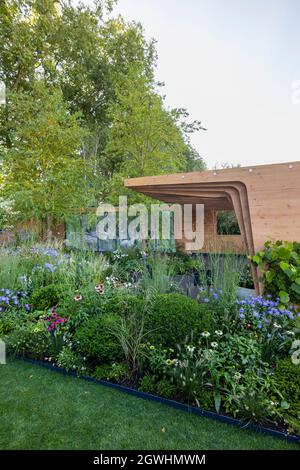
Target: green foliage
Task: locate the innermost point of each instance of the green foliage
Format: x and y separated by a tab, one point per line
116	372
279	264
48	52
29	340
43	167
166	389
227	366
123	304
287	376
129	330
255	408
147	384
10	269
156	277
145	138
227	223
175	317
221	272
70	361
246	278
8	323
94	340
8	215
218	353
45	297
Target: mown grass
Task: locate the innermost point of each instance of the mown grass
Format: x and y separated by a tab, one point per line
42	409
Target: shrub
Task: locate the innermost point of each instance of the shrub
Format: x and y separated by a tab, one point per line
279	264
94	340
45	297
287	376
89	303
30	340
8	323
122	304
175	317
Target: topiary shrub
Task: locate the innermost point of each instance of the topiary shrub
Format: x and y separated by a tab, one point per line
123	304
45	297
174	318
94	340
287	376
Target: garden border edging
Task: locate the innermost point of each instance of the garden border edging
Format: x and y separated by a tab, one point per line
171	403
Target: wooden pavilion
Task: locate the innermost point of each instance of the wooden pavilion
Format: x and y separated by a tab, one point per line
265	198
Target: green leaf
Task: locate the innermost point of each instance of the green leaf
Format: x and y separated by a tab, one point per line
284	405
284	297
296	288
217	400
269	276
295	256
256	259
284	266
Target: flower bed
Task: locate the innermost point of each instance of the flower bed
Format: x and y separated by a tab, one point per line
121	320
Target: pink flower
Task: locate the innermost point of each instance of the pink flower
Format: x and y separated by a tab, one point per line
78	297
99	288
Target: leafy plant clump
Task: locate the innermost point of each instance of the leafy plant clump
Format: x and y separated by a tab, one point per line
175	317
279	265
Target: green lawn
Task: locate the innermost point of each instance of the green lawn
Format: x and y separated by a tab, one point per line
41	409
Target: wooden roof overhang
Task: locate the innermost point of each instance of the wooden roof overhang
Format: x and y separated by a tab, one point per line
266	198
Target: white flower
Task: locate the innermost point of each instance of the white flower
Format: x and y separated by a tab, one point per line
277	326
205	334
214	344
290	333
237	376
219	332
190	349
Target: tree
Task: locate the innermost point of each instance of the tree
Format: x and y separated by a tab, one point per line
44	171
101	69
144	137
76	49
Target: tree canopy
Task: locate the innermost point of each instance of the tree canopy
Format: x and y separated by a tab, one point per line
83	109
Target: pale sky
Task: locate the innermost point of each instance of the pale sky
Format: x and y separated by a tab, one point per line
232	64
